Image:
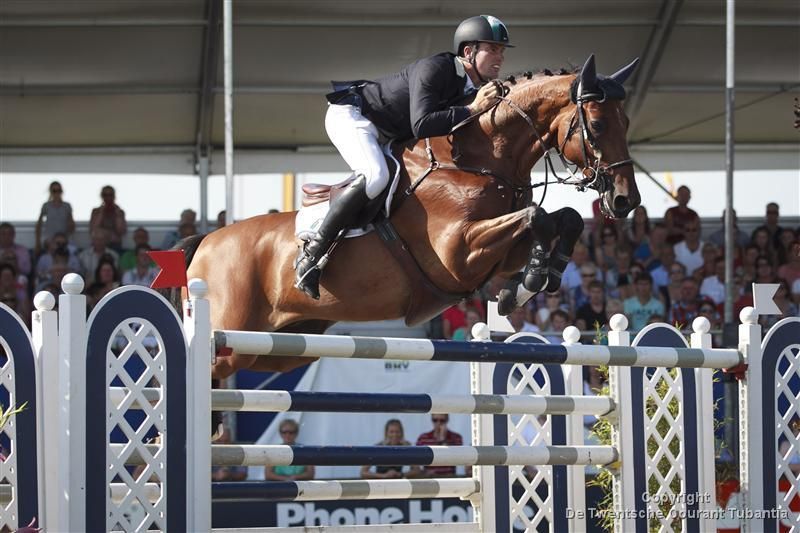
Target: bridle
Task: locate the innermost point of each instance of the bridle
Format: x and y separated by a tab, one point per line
594	175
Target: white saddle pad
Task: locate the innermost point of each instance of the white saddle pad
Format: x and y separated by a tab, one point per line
308	219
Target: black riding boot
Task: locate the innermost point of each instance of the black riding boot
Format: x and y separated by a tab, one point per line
343	213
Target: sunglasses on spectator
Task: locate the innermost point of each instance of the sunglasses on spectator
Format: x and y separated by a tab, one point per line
439	420
772	212
288	431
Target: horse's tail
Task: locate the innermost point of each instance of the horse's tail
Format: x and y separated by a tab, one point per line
189	245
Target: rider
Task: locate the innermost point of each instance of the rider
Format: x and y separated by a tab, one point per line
419	101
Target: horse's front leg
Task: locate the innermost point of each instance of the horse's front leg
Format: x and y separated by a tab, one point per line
570	227
500	241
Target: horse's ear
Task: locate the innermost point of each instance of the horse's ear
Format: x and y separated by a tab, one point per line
588	75
624	73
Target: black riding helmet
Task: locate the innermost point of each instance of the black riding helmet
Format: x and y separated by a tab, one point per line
483	28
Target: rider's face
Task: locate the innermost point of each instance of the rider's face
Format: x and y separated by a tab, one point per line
489	59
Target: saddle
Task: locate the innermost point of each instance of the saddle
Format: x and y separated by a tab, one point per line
427	300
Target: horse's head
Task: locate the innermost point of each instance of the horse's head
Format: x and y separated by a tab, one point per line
593	136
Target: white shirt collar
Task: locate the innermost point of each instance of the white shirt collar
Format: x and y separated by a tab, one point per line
468	86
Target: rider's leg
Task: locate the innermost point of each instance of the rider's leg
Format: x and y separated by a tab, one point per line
357	141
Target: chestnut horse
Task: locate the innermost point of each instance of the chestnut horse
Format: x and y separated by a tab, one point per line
471	218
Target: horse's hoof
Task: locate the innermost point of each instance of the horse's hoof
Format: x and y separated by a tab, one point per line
506	302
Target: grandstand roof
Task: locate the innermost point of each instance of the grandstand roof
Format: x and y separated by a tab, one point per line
128	73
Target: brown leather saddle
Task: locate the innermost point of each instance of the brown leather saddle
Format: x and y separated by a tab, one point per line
427	300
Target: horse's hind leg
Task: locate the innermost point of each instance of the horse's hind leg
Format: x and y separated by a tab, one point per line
570	227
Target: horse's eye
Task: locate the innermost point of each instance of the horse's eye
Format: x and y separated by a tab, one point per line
598	126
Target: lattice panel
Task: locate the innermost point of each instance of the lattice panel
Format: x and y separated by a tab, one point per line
533	509
665	460
136	359
9	511
787	434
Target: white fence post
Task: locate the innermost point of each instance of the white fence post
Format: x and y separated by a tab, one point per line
751	430
573	378
197	325
619	381
72	405
704	402
44	333
482	435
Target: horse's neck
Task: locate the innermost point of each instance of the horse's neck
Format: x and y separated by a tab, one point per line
508	138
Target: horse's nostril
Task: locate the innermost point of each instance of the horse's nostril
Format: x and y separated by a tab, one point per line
621	203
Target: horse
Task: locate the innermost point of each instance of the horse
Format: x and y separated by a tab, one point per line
463	213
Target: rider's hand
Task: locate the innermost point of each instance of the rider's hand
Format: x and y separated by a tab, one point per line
486	97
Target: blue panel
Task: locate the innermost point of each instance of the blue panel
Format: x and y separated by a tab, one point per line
667	337
24	447
499	352
121	308
781	336
362	455
341	402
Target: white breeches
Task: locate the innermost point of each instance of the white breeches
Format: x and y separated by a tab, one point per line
356	138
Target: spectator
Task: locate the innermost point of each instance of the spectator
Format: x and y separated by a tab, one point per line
289	430
453	318
144	273
713	287
106	279
749	263
543	314
517	319
56	245
740	238
661	273
686	308
592	314
710	254
227	473
796	291
55	217
393	435
90	257
605	254
559	320
689	251
580	294
638	234
676	218
658	240
59	267
618	279
672	291
786	239
791	270
110	217
762	241
440	436
189	217
12	294
711	312
571	277
464	333
643	305
127	260
221	219
7	236
764	271
614	306
772	228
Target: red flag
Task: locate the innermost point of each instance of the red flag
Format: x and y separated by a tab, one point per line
173	269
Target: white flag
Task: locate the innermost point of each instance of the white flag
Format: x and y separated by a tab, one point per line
763	299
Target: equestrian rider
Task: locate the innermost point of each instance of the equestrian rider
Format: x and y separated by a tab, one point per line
420	101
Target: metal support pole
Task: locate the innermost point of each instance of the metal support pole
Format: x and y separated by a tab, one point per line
202	173
227	16
729	110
